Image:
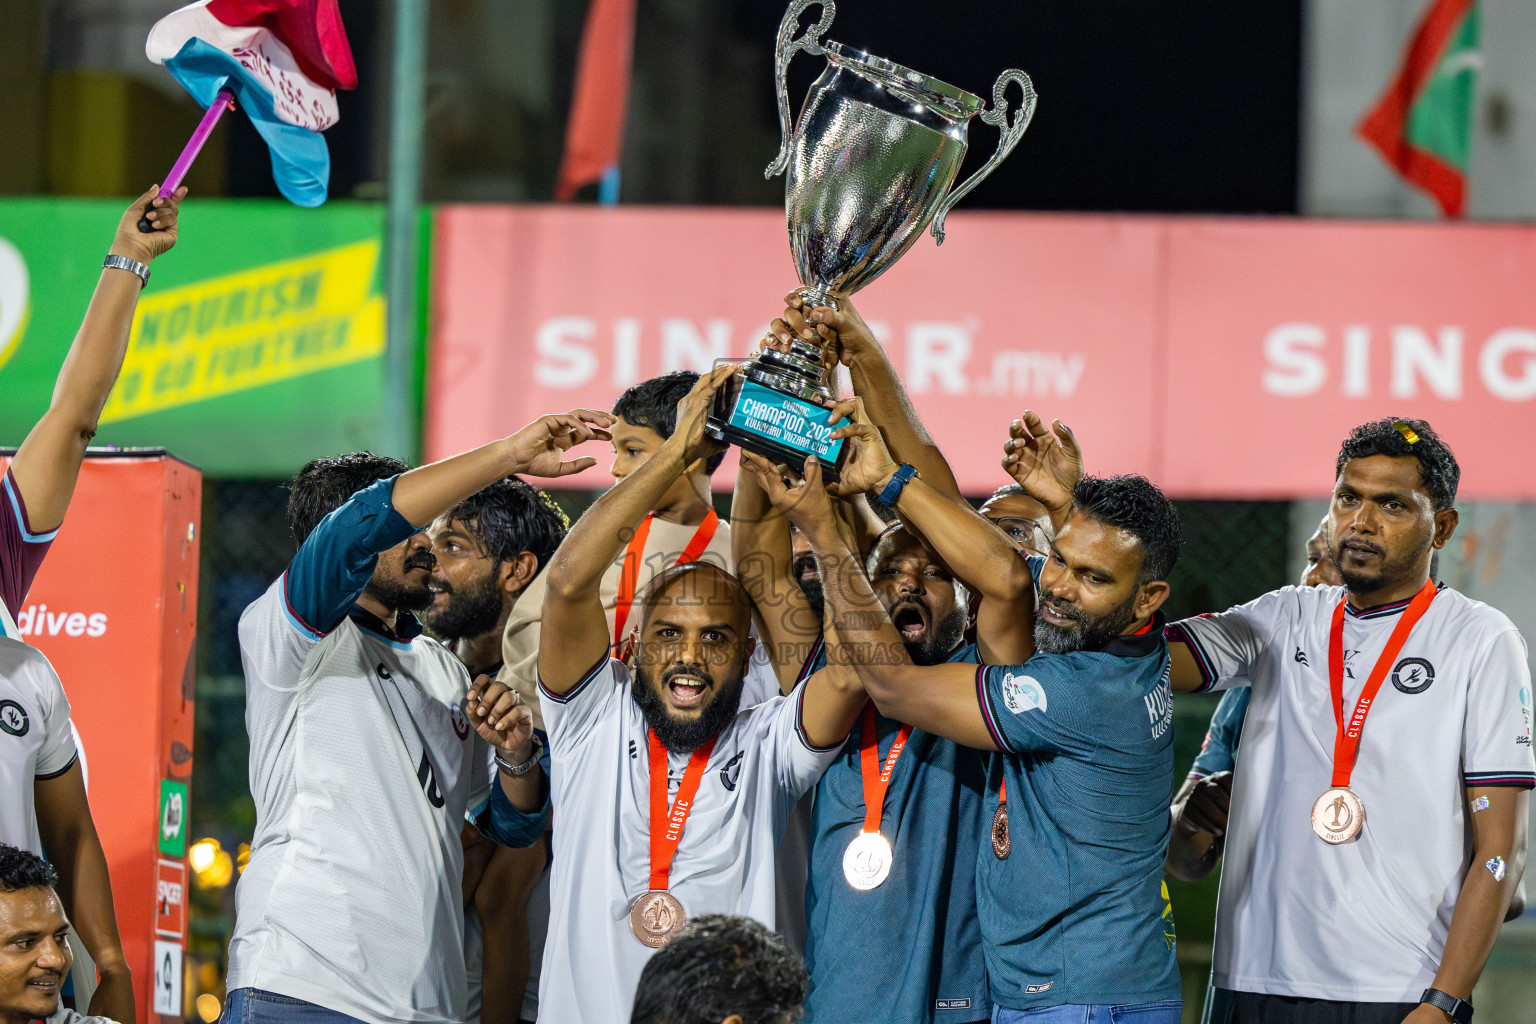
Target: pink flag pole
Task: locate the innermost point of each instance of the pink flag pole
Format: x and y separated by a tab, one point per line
225	100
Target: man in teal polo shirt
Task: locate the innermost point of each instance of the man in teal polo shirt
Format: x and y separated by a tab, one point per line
1074	914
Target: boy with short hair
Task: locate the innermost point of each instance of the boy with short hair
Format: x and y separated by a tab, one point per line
681	527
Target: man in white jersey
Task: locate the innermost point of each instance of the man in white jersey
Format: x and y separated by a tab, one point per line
363	759
668	796
42	786
1379	810
34	955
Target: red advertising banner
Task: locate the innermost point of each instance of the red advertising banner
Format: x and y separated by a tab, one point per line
1283	335
1226	358
114	608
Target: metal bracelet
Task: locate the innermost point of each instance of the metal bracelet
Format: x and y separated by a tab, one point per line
517	771
116	262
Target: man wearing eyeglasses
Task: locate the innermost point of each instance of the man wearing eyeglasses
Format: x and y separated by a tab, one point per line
1023	520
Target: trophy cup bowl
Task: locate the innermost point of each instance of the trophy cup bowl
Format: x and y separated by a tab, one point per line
871	161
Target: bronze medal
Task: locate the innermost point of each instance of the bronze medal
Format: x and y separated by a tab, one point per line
655	916
1000	843
1337	816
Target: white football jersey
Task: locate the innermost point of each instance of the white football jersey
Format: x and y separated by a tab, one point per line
362	766
1365	921
35	738
600	779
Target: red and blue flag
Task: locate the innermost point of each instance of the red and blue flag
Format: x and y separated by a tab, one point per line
284	61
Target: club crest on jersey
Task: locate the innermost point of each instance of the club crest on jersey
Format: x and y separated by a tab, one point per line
13	718
460	723
731	771
1413	675
1023	693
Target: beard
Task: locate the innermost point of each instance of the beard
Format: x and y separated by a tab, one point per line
810	585
1089	634
393	591
1390	569
685	735
467	612
943	637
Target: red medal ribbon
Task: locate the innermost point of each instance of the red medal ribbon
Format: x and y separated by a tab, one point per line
1346	741
664	842
876	778
630	573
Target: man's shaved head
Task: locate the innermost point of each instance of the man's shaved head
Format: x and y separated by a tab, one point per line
694	583
694	641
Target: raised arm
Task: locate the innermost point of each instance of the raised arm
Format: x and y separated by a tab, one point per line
335	562
941	699
975	550
1046	462
574	635
833	697
874	380
423	494
48	461
763	557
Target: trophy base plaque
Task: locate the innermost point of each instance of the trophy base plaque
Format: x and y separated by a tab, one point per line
780	416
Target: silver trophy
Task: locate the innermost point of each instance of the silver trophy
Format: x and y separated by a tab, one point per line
870	163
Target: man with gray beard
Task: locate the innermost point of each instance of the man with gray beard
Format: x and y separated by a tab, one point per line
1079	922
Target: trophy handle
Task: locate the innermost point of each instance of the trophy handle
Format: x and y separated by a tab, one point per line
997	115
783	53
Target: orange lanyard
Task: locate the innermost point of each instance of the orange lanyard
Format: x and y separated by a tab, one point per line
1346	743
636	550
664	843
877	779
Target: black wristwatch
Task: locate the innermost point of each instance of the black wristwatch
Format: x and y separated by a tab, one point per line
1459	1010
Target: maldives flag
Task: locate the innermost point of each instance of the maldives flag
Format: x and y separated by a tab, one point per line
284	60
1422	125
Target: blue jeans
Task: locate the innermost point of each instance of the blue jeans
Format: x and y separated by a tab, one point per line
254	1006
1165	1011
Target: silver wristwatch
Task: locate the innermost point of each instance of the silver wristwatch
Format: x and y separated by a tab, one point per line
117	262
517	771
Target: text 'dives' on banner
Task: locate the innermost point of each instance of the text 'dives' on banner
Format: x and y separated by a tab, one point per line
1224	357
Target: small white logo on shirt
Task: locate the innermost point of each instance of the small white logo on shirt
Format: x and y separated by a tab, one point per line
1032	989
952	1004
1160	708
1023	693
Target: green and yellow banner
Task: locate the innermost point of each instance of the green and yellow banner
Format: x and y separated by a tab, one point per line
258	344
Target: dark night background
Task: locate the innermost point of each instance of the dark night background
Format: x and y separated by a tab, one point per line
1187	108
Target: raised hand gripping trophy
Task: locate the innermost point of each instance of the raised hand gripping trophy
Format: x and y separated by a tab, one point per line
870	164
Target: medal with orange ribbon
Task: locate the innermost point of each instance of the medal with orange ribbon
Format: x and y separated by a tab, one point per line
657	913
867	861
1339	815
1001	846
